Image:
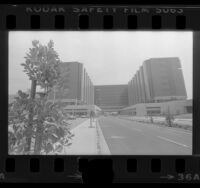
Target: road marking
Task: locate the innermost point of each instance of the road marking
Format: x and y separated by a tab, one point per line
172	141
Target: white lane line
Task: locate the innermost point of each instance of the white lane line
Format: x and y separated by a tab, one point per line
172	141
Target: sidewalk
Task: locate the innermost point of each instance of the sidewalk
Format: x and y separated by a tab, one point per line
86	140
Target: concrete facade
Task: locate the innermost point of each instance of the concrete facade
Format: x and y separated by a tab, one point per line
111	98
145	109
77	87
82	109
157	80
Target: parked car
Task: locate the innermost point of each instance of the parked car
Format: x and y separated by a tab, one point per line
84	116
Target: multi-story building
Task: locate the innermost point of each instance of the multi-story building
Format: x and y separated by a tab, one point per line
157	80
176	107
76	85
111	98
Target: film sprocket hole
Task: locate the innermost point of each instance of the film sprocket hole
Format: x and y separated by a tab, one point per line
100	93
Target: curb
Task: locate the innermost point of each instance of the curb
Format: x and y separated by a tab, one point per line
102	147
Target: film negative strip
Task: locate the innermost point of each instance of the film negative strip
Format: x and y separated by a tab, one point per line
100	93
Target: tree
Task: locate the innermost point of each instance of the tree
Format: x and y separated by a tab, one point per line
42	65
43	121
17	130
54	135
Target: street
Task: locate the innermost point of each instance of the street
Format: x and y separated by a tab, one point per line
125	137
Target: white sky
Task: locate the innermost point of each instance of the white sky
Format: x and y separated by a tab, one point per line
109	57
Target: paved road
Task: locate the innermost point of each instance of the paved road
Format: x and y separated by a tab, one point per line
125	137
